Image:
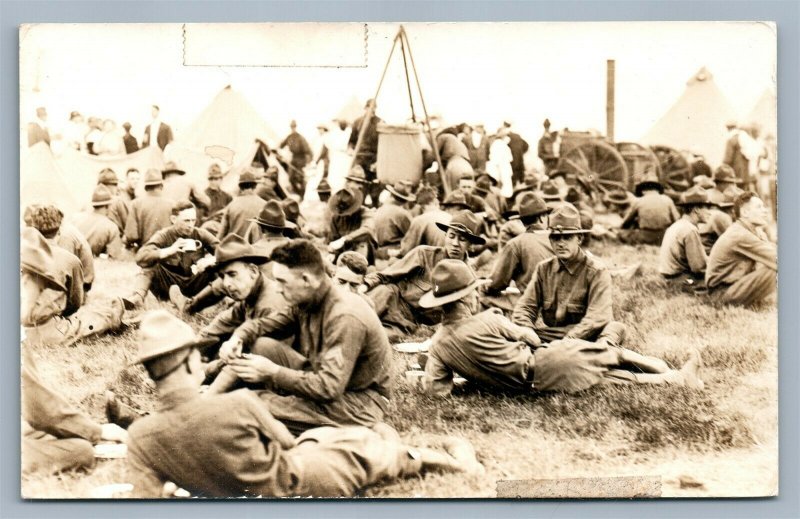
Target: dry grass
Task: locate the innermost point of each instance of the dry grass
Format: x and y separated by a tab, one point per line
724	436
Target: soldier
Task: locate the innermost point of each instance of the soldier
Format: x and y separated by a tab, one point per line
149	213
218	200
569	294
100	232
237	216
724	179
423	229
395	291
649	215
53	310
682	258
177	187
338	372
243	449
519	257
392	219
120	208
743	265
490	350
351	226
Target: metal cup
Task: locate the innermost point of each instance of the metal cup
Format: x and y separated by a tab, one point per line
190	245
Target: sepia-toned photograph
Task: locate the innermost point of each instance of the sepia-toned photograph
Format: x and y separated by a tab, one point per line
383	260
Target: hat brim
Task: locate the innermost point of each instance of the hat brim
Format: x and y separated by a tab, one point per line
154	183
44	275
462	205
256	259
162	351
175	171
101	204
649	185
286	225
472	238
359	180
569	231
429	300
692	204
546	210
401	196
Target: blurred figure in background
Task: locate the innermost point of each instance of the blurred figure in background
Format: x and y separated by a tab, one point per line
131	144
74	134
37	129
110	143
157	130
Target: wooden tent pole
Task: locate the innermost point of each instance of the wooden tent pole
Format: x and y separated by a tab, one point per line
408	80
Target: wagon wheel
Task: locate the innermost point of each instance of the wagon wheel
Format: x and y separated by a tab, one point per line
598	167
676	172
641	161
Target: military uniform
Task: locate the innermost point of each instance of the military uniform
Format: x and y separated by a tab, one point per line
72	240
237	215
682	251
423	231
149	214
742	267
647	219
101	234
339	372
390	223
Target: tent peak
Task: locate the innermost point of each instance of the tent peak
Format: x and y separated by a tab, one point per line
700	76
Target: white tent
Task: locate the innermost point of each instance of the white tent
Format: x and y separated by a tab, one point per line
765	114
225	132
43	182
696	121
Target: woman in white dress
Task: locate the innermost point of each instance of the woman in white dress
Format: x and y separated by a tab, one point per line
499	165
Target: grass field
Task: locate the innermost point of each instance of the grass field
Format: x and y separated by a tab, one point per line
721	441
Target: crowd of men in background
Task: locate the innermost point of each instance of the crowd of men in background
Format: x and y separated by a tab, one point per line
295	363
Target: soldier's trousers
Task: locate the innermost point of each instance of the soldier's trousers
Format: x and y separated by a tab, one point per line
750	289
89	320
42	452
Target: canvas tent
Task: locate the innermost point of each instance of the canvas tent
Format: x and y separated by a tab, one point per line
765	114
229	132
696	121
43	182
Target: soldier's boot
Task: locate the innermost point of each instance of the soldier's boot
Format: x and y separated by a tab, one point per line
202	300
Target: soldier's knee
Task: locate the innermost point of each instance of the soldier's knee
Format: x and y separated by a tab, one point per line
269	348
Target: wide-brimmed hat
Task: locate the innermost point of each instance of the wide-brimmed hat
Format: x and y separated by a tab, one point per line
452	280
214	171
107	177
618	197
160	334
649	181
153	177
247	177
725	173
703	181
36	257
551	193
344	202
235	248
693	196
323	187
291	208
565	219
357	175
172	168
531	205
101	196
273	217
467	224
480	174
402	192
44	218
456	198
729	195
482	185
525	187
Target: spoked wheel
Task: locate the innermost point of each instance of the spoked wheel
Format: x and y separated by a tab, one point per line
676	172
640	160
599	168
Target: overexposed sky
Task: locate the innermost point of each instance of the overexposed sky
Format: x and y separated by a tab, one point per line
474	72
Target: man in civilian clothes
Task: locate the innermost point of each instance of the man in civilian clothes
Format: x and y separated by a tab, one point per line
743	264
488	349
339	371
157	128
301	155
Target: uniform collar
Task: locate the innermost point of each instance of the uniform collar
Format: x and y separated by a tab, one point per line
251	299
177	397
572	265
320	295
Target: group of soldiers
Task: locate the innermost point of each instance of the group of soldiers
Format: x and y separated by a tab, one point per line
285	390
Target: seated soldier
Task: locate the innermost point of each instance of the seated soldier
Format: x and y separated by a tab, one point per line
242	209
100	232
54	312
231	445
351	225
338	372
273	228
518	258
392	219
724	179
720	217
569	295
423	230
351	267
211	218
324	190
395	291
55	436
682	258
649	215
488	349
149	213
743	264
49	220
177	255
